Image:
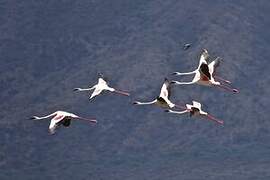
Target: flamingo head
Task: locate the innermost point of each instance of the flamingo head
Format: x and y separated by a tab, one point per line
173	82
34	118
76	89
135	102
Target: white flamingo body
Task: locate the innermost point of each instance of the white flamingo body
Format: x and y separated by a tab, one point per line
163	99
61	118
165	93
196	110
101	86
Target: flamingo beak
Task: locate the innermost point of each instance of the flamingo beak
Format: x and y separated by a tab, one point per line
94	121
135	102
235	91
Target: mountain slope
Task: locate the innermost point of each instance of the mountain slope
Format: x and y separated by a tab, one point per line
49	48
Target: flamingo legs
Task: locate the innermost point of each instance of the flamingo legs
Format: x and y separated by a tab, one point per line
212	118
221	79
85	119
121	92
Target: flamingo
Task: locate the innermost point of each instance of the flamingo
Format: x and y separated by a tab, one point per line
61	118
186	46
205	74
163	99
196	110
102	85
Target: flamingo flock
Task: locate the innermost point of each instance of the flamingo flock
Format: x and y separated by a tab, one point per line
205	75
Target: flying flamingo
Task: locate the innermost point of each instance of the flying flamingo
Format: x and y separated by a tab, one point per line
196	110
61	118
186	46
163	99
205	74
102	85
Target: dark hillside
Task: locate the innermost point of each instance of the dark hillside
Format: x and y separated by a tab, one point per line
47	48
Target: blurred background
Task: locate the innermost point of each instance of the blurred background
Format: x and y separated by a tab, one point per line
47	48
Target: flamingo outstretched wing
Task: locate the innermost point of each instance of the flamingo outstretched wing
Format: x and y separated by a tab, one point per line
165	91
53	123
